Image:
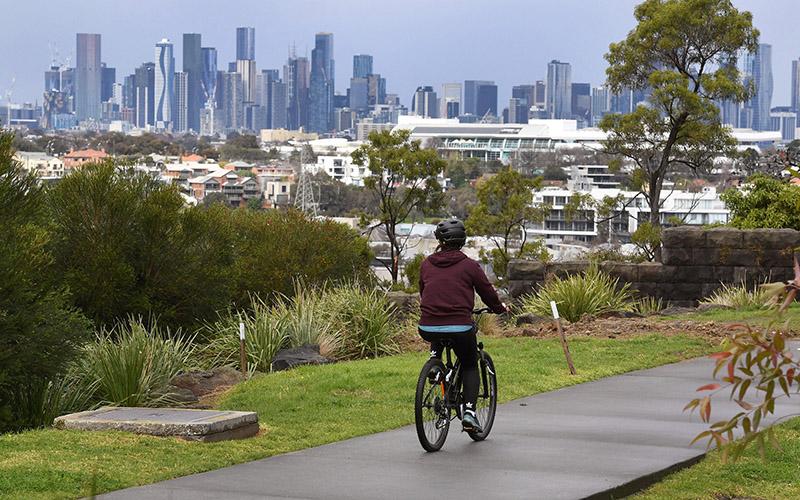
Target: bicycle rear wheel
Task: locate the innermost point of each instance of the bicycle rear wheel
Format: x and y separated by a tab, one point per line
486	406
431	415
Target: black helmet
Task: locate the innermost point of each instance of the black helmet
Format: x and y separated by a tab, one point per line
451	233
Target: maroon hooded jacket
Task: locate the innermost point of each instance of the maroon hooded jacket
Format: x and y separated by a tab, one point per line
448	281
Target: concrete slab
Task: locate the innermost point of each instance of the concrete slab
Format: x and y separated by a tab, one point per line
195	425
603	439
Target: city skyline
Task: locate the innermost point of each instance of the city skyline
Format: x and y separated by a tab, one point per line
427	58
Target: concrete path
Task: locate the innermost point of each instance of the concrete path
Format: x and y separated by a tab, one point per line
602	439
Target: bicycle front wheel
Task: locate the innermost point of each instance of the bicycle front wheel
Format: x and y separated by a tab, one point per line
486	406
431	415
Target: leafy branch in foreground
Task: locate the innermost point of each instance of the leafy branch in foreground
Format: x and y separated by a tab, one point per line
758	363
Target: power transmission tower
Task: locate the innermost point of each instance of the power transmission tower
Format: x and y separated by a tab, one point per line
304	198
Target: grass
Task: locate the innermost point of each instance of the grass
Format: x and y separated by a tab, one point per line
750	477
753	315
306	407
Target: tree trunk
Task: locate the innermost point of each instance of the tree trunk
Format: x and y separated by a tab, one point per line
654	192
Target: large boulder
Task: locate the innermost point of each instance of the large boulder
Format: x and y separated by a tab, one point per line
201	383
298	356
405	303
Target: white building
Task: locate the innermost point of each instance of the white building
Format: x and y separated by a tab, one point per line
704	207
588	177
340	168
41	164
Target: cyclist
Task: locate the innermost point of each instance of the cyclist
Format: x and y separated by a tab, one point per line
448	281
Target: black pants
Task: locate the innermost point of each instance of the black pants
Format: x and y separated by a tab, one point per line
465	344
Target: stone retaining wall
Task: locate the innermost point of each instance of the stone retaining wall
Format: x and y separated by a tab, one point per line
695	263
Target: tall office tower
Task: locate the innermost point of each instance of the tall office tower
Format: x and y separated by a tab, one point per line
108	77
540	94
425	103
320	116
796	88
581	102
525	93
247	68
232	104
377	89
165	85
208	79
278	105
762	77
88	76
601	104
359	94
362	65
729	112
245	44
181	111
450	102
52	79
264	96
517	110
621	102
296	76
559	90
486	100
471	90
193	67
145	82
129	92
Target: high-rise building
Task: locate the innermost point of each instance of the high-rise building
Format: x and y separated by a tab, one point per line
540	94
108	77
193	67
471	90
322	84
601	104
145	85
278	105
425	103
762	77
486	104
165	84
230	94
129	92
362	65
296	76
88	77
208	80
525	93
517	111
581	102
796	87
181	111
359	94
559	90
450	101
247	68
377	89
245	44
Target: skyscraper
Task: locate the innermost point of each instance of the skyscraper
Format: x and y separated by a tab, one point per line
425	103
359	94
471	89
362	65
796	88
762	76
231	97
108	77
208	80
164	84
525	94
144	83
450	102
181	111
88	76
296	76
245	44
247	68
601	104
322	84
486	100
559	90
581	102
377	89
278	106
193	67
540	95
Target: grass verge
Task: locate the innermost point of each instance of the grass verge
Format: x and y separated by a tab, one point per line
306	407
750	477
754	315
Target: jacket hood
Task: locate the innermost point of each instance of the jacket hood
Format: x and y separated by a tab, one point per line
447	258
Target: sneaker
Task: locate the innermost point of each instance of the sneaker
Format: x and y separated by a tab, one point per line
435	375
470	422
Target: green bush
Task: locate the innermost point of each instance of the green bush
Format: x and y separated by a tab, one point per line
593	292
411	271
766	202
132	363
38	402
39	332
737	297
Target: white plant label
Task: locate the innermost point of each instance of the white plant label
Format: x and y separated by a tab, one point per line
241	331
554	308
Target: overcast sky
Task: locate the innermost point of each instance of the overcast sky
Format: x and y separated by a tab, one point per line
414	42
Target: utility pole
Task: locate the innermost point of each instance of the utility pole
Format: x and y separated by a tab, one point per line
304	197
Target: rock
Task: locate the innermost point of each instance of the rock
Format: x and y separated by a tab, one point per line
619	314
406	303
180	395
683	237
201	383
673	311
530	319
711	307
297	356
529	270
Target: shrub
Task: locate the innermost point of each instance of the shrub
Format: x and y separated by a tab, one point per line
647	306
309	322
38	402
737	297
132	363
411	271
593	292
766	202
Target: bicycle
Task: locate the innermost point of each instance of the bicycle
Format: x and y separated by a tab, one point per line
439	397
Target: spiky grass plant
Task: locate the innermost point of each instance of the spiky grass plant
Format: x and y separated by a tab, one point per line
738	297
648	306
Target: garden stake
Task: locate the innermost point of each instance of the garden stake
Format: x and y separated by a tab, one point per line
242	356
562	337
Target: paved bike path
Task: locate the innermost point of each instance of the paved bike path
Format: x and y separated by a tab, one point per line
600	439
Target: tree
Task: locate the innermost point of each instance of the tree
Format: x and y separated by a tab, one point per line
403	179
764	202
39	332
505	204
684	52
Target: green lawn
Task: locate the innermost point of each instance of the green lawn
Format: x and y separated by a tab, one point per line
306	407
758	316
776	478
